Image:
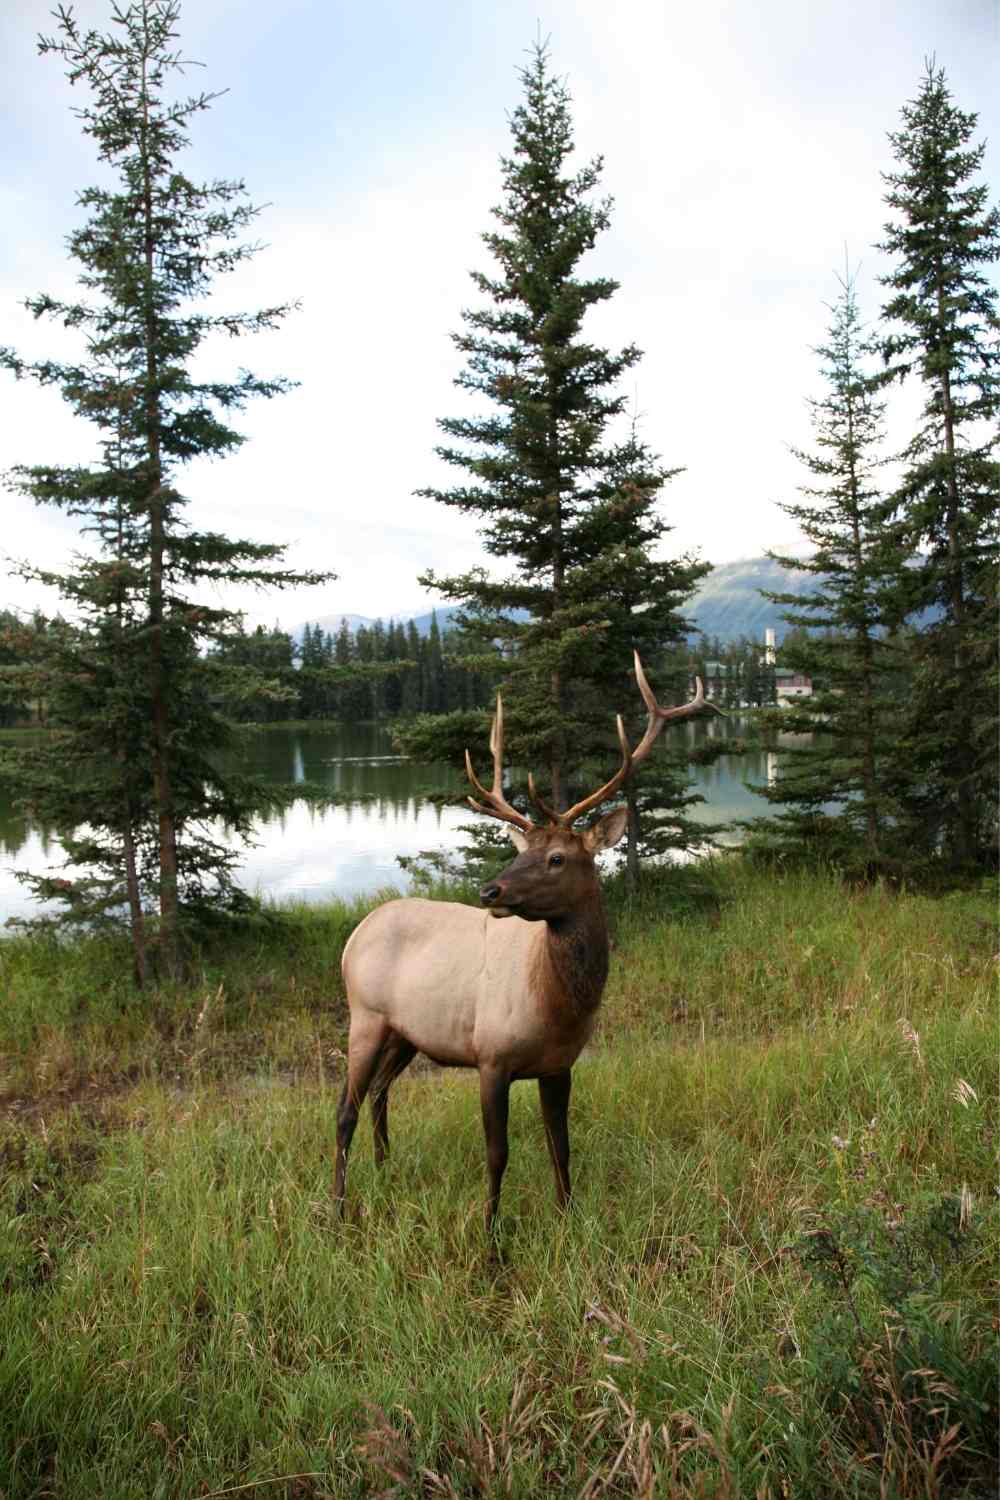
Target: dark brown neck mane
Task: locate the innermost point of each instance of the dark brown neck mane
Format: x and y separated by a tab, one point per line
577	954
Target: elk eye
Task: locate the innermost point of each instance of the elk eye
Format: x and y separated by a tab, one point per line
557	859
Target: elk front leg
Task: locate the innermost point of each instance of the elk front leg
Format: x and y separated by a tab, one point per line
553	1093
494	1096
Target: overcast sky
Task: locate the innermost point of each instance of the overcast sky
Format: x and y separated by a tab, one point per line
743	142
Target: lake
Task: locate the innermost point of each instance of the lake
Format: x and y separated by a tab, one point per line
311	854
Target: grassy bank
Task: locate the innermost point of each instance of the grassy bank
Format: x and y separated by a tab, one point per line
784	1213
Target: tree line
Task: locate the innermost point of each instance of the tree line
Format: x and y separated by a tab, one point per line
265	676
377	671
145	674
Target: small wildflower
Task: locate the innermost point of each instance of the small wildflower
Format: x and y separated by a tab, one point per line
839	1143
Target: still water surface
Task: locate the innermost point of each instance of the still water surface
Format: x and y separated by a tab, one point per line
311	854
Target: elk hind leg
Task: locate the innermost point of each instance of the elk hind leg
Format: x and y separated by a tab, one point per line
364	1050
553	1093
396	1055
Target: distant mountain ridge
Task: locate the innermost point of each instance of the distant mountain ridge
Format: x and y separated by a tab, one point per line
726	605
729	605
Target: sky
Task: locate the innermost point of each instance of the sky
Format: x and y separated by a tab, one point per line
743	142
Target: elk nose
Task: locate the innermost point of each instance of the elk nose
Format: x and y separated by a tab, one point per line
489	894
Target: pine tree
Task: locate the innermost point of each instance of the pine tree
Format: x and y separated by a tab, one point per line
259	683
434	683
312	661
943	332
836	786
348	689
146	737
14	686
566	506
412	699
640	598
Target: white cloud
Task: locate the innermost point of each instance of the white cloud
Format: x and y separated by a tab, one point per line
743	145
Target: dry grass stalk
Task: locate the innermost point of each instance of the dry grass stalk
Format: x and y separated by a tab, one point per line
621	1327
206	1006
909	1463
911	1039
670	1478
385	1449
964	1094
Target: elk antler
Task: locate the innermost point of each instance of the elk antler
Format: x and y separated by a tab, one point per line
630	759
497	805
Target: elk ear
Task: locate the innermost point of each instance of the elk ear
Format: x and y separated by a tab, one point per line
517	838
606	832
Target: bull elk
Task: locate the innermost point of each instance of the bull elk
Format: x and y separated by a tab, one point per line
518	1001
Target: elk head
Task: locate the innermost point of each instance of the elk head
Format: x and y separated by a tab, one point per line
554	870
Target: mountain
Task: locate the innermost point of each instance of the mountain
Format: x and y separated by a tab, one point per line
727	604
445	614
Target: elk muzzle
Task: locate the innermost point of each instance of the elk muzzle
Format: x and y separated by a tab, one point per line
492	897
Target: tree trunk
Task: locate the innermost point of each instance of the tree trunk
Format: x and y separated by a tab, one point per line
169	938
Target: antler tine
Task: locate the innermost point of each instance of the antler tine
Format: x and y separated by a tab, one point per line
608	789
474	779
657	718
682	711
543	807
496	742
496	804
626	752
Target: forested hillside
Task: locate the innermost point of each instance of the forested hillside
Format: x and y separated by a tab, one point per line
729	604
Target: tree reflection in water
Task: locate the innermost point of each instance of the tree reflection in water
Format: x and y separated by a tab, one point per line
311	852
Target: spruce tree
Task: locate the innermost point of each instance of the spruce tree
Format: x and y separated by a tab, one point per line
14	689
837	786
435	691
943	333
142	729
346	693
412	700
565	505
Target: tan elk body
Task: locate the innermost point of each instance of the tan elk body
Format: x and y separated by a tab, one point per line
514	999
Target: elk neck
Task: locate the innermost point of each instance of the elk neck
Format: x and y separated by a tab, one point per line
575	958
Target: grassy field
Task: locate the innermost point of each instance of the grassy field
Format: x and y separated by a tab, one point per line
777	1278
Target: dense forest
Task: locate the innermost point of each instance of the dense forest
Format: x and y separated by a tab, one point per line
372	672
385	670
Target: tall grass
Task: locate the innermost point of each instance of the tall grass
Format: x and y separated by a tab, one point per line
783	1067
